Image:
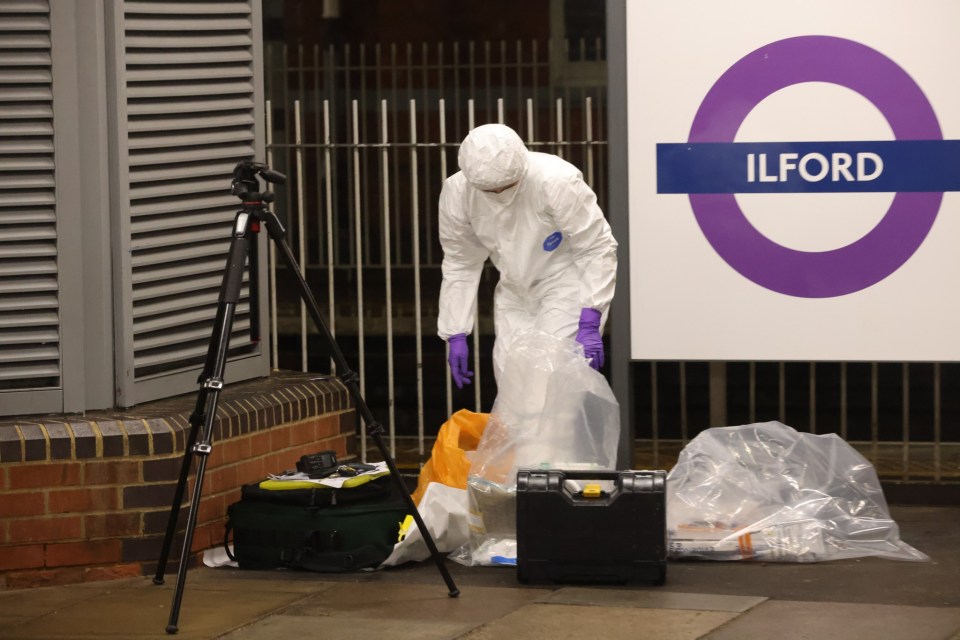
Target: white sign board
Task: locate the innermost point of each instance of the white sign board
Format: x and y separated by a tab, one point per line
793	178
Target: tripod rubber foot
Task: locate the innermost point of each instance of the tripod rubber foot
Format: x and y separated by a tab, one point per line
454	593
158	581
172	629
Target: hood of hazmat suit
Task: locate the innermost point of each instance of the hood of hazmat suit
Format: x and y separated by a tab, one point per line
492	156
546	235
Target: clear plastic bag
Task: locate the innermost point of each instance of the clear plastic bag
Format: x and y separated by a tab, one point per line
553	411
768	492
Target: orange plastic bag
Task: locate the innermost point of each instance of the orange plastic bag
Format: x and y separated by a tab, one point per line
448	463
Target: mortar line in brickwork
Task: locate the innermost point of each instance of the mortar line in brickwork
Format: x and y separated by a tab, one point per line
286	411
294	403
97	438
126	438
297	398
146	427
277	403
23	443
47	447
253	414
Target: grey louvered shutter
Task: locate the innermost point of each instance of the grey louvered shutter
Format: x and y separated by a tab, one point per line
189	88
30	364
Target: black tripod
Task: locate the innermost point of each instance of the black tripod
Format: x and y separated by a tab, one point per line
252	213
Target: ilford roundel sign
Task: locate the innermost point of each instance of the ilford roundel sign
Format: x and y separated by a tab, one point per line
918	165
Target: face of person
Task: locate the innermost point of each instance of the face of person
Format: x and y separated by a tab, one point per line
503	188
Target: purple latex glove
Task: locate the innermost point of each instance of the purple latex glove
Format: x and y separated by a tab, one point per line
459	356
589	336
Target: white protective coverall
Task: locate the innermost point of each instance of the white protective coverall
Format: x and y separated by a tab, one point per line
546	236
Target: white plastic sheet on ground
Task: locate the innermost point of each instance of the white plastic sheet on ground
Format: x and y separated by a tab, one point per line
443	510
552	411
767	492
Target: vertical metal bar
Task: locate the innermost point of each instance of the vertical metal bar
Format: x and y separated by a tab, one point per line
443	176
330	73
550	83
387	274
530	129
718	392
684	422
654	416
476	317
328	192
813	397
352	229
298	155
905	449
503	69
287	148
753	391
396	150
358	237
415	212
602	134
457	68
782	391
428	193
499	110
300	80
301	230
937	421
843	400
272	253
487	91
367	220
321	246
471	73
534	63
874	413
589	146
519	87
560	127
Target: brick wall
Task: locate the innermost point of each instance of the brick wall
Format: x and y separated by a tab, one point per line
75	511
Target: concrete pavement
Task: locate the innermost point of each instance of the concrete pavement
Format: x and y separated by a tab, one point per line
869	598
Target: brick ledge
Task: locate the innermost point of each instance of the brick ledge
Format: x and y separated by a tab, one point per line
162	427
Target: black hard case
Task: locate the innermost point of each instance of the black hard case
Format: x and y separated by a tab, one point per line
618	537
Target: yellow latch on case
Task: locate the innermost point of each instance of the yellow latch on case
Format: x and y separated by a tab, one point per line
591	491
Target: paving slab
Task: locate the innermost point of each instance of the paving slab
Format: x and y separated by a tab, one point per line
30	603
651	599
396	611
474	605
345	628
207	611
574	622
786	620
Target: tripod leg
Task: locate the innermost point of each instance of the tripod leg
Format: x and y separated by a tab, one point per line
202	448
374	429
196	419
211	384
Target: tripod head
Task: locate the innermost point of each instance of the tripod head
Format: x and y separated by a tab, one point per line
245	184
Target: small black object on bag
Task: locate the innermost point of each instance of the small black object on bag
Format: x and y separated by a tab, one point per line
318	465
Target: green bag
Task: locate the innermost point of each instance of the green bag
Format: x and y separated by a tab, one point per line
332	538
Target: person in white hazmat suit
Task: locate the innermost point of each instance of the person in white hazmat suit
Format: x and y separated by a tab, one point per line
534	216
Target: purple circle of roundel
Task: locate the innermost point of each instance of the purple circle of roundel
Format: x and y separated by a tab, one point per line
876	255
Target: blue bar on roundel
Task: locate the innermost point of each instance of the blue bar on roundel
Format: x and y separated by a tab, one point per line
809	167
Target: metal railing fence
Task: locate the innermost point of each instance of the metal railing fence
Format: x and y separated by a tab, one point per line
366	136
375	284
